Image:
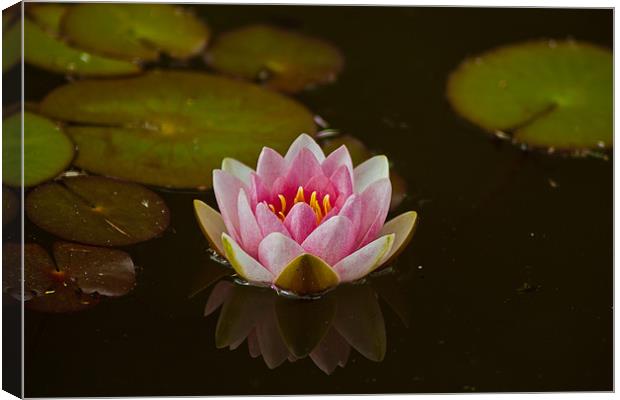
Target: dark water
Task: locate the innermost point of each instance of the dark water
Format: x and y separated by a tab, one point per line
507	285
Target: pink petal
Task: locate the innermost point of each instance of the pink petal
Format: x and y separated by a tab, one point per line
304	141
362	262
300	221
322	185
331	241
257	189
370	171
246	266
249	231
270	166
341	179
303	167
227	188
375	206
352	209
268	222
237	169
276	251
336	159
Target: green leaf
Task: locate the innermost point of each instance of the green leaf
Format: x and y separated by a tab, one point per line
306	275
99	211
173	128
285	60
546	94
135	31
46	51
47	150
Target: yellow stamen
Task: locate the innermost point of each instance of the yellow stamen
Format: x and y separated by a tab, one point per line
314	204
326	204
299	196
282	203
281	215
272	208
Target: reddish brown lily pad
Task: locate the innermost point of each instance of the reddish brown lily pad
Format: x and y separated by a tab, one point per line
108	272
97	210
63	299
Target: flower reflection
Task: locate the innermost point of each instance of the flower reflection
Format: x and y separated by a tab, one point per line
279	328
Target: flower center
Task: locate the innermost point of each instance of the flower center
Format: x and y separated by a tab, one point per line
320	208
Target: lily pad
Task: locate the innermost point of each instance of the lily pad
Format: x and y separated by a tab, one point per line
135	31
108	272
63	299
171	128
10	205
11	42
97	210
65	285
39	272
47	150
546	94
283	59
45	50
47	15
307	274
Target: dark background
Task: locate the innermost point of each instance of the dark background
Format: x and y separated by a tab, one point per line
514	292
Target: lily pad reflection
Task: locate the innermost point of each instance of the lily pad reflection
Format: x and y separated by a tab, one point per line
170	128
97	210
545	94
283	59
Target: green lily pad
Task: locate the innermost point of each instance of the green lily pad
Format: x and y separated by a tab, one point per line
135	31
47	15
307	275
47	150
283	59
10	205
170	128
11	42
97	210
44	50
108	272
303	324
546	94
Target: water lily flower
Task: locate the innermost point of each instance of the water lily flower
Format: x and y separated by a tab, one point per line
304	222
